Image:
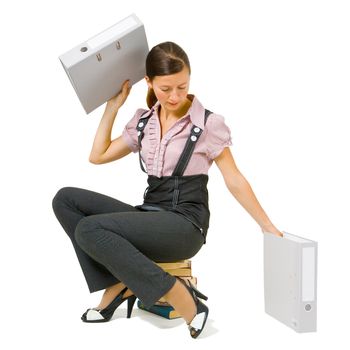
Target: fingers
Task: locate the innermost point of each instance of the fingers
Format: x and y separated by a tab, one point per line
279	234
122	95
276	233
126	85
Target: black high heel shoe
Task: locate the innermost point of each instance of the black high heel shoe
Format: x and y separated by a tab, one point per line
197	324
104	315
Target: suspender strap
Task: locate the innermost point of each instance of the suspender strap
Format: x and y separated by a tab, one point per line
176	192
186	155
140	127
189	147
206	115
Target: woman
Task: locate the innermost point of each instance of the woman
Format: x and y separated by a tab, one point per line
116	243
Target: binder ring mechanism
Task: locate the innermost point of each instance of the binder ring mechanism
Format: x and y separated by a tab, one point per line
84	49
117	45
99	57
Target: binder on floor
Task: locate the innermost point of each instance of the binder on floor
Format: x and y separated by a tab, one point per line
98	67
290	280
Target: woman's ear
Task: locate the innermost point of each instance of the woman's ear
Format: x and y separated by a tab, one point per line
148	80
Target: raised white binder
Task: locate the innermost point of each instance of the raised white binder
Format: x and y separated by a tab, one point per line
290	280
98	67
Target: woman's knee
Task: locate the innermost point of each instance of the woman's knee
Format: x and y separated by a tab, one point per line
61	196
85	231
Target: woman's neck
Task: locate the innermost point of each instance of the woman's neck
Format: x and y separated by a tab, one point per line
177	114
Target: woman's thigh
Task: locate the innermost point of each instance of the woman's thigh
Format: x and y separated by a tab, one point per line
162	236
88	202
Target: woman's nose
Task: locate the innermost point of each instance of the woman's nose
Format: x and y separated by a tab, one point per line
174	96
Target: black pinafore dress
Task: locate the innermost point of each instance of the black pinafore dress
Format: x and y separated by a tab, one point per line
184	195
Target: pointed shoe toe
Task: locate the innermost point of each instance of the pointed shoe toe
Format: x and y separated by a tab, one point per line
196	326
93	315
106	314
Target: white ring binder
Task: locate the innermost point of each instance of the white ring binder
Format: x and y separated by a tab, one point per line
290	280
98	67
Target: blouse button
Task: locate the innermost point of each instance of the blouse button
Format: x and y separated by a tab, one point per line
197	130
141	124
193	138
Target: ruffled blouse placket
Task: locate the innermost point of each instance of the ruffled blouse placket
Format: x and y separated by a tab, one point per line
155	159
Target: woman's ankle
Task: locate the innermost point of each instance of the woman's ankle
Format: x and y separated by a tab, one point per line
182	301
128	293
109	294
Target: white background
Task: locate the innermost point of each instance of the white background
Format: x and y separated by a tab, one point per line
278	71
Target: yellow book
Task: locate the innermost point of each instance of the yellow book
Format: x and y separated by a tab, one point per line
192	279
175	265
179	272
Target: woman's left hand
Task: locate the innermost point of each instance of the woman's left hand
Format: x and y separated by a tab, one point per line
273	230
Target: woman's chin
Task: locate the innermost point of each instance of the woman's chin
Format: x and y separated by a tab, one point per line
172	105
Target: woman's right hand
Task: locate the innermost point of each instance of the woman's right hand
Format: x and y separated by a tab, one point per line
117	101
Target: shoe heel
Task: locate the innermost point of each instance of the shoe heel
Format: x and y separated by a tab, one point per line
131	302
197	292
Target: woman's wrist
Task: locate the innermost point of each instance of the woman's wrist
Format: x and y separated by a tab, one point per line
267	227
111	109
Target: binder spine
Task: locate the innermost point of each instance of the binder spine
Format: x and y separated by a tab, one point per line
308	281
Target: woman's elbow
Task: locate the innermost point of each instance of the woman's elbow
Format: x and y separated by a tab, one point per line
235	183
94	160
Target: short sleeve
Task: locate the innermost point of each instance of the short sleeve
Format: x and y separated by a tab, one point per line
218	135
129	133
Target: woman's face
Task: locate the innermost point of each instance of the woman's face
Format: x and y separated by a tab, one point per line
171	90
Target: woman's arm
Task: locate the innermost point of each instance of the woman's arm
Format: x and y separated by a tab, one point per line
104	150
241	190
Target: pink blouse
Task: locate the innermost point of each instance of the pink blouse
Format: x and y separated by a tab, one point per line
161	155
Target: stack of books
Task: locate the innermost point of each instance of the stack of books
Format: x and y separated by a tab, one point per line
180	269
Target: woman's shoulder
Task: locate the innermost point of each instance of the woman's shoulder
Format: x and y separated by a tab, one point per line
216	127
217	135
141	111
215	120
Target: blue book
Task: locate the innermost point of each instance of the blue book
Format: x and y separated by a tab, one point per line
165	311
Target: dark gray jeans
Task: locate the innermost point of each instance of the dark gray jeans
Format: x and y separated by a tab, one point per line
116	242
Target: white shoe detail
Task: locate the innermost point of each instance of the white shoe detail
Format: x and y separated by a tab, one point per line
197	321
93	315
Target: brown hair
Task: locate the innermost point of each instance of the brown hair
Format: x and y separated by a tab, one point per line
164	59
